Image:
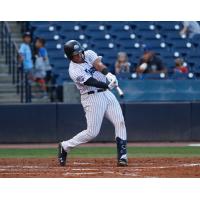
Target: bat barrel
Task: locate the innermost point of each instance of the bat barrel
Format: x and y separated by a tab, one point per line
120	92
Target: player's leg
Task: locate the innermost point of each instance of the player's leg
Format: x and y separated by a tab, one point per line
115	115
94	111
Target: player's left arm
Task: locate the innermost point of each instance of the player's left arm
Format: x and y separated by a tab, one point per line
99	66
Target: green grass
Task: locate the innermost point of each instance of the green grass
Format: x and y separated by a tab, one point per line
100	152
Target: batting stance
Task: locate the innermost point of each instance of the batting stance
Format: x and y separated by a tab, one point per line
90	76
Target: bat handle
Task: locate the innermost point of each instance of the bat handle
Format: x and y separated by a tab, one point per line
120	92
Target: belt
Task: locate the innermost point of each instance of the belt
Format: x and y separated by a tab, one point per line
99	90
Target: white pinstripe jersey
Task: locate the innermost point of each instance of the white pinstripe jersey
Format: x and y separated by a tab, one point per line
81	72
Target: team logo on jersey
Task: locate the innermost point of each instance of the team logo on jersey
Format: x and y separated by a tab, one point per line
90	71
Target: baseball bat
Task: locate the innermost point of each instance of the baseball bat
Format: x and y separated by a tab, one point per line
120	92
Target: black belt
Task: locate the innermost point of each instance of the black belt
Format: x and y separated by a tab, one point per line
99	90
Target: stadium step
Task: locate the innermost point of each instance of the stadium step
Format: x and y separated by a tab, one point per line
7	88
3	69
5	78
15	32
9	97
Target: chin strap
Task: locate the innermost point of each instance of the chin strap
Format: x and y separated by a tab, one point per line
121	148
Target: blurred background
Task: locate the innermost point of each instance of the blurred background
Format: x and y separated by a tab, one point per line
157	64
154	61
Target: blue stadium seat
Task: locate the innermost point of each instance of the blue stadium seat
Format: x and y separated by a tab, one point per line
59	63
172	35
194	63
94	34
115	27
73	28
103	44
169	63
44	29
193	59
51	44
108	51
142	25
89	23
181	44
48	36
196	40
182	52
73	35
134	60
127	43
59	55
95	27
124	36
165	53
167	25
64	24
124	76
150	76
146	26
148	35
99	35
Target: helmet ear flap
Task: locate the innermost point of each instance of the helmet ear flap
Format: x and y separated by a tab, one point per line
83	54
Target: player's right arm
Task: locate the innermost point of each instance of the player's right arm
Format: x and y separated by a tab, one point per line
81	77
99	66
98	84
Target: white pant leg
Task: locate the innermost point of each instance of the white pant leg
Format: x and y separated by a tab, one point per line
115	115
94	106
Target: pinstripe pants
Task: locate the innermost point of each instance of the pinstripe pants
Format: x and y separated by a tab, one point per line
96	106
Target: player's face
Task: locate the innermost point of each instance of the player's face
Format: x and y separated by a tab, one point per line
77	58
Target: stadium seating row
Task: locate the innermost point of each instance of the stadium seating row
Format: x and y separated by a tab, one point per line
108	38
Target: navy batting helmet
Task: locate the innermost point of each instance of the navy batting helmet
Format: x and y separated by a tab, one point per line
72	47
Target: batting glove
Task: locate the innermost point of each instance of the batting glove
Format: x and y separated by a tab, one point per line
112	85
111	77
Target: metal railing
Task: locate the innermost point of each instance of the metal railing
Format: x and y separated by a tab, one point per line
9	50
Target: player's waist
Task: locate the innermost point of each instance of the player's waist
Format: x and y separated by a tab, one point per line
94	91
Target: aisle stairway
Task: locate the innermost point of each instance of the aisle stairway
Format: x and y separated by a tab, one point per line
7	89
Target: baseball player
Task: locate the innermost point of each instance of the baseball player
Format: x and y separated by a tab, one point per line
90	76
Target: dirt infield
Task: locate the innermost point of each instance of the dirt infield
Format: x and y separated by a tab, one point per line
89	168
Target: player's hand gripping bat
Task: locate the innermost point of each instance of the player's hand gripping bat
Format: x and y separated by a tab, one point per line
114	84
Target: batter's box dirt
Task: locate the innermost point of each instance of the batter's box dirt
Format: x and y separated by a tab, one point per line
101	167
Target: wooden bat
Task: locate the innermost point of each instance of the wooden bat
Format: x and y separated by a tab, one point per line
120	92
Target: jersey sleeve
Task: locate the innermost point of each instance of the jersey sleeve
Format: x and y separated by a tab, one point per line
91	56
22	49
79	75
